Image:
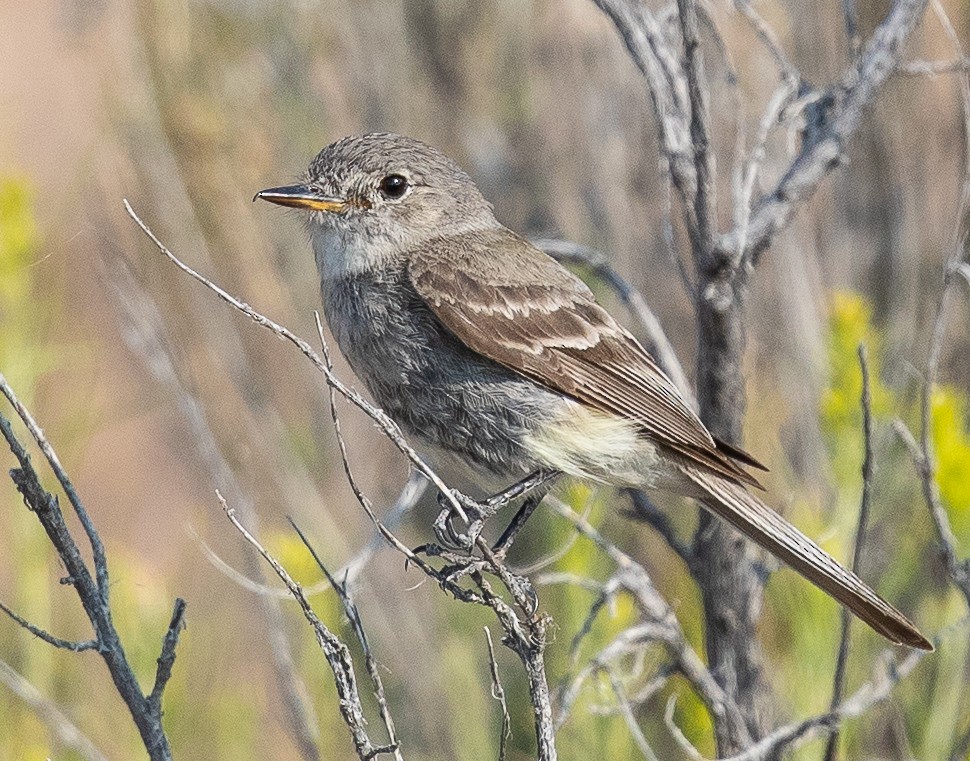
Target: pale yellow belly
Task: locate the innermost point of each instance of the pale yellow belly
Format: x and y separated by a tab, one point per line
596	446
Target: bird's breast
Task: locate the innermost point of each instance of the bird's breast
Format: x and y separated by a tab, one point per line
427	380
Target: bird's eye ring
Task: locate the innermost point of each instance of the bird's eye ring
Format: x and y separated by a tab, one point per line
394	186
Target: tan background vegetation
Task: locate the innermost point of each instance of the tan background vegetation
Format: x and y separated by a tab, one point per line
187	108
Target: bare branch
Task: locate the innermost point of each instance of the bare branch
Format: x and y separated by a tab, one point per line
50	639
887	673
824	149
390	428
922	451
661	624
97	547
498	693
334	650
145	711
167	657
528	643
353	615
959	570
705	197
918	68
631	721
414	488
868	465
851	15
786	70
654	54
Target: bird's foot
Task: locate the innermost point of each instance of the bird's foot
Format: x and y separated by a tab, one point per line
448	534
476	512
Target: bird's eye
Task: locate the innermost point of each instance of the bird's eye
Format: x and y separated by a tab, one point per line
394	186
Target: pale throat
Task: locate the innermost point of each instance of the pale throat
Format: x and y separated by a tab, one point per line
341	251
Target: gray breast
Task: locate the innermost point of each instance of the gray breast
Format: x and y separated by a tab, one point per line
427	380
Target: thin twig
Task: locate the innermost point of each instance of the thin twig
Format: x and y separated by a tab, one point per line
851	16
498	692
868	466
786	70
353	615
920	68
167	657
820	155
922	451
334	650
97	547
50	639
631	721
390	428
528	642
661	625
412	491
705	197
887	673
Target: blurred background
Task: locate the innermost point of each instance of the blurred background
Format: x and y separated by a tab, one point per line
155	394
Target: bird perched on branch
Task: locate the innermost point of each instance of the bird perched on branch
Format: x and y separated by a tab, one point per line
480	345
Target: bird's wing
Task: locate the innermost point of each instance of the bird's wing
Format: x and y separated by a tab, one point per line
512	303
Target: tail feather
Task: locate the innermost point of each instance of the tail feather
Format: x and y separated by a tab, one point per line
754	519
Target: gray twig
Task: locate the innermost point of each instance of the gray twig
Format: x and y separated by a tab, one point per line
954	272
64	644
353	615
631	721
825	149
920	68
868	466
660	626
498	692
705	197
93	595
97	547
334	650
390	428
886	674
851	15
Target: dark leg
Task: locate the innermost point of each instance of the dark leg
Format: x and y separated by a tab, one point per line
528	507
478	512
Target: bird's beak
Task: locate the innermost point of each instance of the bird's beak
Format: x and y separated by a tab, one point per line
301	197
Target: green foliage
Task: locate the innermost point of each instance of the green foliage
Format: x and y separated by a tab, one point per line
850	324
951	445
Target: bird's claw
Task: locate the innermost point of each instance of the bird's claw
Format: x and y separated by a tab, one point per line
445	530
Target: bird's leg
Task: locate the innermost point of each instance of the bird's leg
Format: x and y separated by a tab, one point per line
532	501
477	512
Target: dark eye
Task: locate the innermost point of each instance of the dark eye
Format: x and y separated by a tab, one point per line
394	186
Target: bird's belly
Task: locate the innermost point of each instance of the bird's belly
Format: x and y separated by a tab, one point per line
595	446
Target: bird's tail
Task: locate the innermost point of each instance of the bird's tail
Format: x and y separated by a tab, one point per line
754	519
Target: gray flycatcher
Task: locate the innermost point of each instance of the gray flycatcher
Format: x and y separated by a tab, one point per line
481	345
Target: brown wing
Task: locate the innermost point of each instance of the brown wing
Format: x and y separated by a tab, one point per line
519	307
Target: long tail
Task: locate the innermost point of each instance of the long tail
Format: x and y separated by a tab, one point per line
760	523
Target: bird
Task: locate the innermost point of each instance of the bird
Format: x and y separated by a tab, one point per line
482	346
